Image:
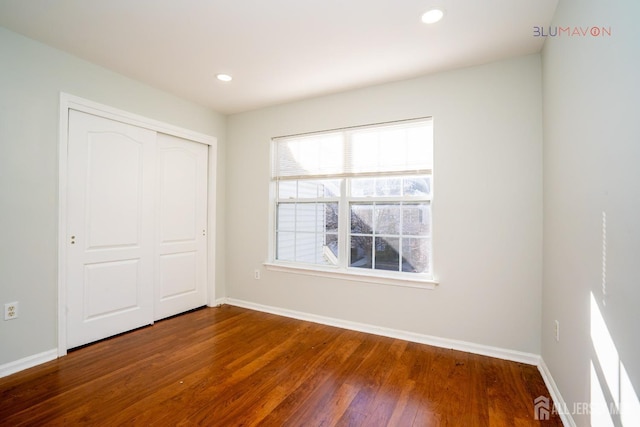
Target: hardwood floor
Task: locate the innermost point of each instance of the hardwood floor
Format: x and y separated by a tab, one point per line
229	366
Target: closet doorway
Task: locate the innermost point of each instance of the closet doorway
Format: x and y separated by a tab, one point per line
136	226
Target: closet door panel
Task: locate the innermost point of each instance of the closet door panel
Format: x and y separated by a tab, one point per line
182	226
110	223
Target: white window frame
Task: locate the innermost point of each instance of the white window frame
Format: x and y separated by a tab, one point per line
342	270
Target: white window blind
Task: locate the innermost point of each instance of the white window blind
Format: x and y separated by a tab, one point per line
395	148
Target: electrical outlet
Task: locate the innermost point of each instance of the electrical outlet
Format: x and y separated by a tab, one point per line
256	274
11	310
557	330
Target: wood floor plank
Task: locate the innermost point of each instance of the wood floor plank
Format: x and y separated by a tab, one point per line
305	397
309	384
228	366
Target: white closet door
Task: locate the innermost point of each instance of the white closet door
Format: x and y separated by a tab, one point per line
182	226
110	211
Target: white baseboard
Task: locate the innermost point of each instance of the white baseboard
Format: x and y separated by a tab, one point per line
500	353
27	362
558	401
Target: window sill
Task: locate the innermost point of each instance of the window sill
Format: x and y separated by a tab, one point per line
381	279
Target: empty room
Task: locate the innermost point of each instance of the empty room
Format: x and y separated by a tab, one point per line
320	213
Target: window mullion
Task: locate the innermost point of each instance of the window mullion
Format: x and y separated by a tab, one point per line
391	199
400	235
374	236
344	225
295	224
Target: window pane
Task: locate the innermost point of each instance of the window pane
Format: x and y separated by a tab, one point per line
417	186
331	212
286	217
364	152
361	219
318	189
389	150
394	148
361	247
330	250
306	218
363	187
387	219
287	189
306	247
310	155
415	255
285	246
420	144
379	150
307	189
388	186
307	232
330	188
387	256
380	187
416	219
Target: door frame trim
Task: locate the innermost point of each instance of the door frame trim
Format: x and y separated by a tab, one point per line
71	102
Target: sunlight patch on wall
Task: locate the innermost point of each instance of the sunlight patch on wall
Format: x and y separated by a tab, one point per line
624	399
606	351
598	408
629	403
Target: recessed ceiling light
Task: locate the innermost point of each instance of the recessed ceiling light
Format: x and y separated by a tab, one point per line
432	16
224	77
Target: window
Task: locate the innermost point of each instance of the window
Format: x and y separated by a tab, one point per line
356	200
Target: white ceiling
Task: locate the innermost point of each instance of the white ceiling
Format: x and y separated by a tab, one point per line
278	50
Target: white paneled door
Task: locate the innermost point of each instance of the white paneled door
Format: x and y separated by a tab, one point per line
182	226
110	194
136	215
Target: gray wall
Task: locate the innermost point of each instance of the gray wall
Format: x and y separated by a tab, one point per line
592	171
32	76
487	213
